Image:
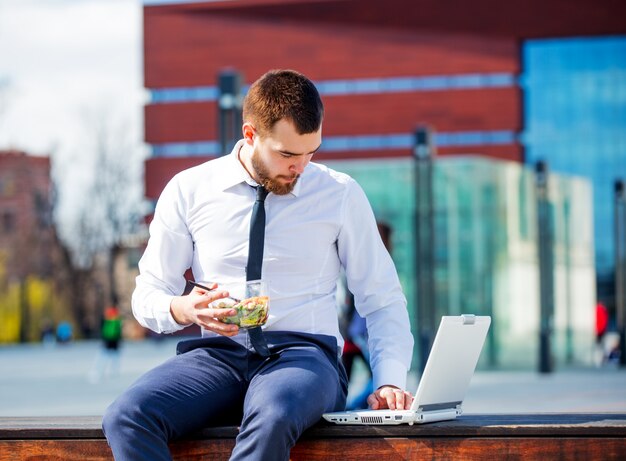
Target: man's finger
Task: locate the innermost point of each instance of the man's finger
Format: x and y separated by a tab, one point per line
220	313
201	299
372	401
221	328
390	396
399	399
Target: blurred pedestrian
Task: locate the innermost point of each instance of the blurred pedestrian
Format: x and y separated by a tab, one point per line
356	347
64	332
602	321
47	332
108	359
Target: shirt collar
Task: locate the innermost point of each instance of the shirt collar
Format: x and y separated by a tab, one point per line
234	173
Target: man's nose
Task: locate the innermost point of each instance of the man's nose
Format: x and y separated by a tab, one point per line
299	164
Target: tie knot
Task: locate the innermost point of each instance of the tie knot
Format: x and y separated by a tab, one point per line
261	193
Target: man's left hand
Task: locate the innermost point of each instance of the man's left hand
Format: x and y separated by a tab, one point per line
390	397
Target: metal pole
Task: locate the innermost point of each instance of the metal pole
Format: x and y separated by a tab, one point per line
489	210
567	244
229	109
423	153
546	268
24	311
620	266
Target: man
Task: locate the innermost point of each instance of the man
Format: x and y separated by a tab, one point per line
316	221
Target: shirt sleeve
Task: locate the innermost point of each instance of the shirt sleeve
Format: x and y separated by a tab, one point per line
162	267
372	278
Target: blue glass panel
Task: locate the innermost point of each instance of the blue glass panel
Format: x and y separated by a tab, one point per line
184	149
191	94
575	118
406	141
355	86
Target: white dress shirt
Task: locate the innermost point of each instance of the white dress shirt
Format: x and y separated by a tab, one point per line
202	221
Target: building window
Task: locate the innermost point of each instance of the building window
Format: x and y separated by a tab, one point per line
7	186
8	222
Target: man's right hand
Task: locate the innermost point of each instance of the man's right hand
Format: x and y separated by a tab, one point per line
194	308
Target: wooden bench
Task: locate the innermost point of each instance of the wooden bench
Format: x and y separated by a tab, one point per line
471	437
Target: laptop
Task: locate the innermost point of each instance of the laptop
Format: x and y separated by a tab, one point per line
444	383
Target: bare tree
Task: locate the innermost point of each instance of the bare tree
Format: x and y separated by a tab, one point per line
107	208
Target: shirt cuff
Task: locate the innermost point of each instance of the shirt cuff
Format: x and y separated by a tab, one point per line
390	371
163	315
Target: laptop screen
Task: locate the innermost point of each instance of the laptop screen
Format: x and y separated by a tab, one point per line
451	362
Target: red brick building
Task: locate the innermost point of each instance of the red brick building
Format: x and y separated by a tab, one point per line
30	254
382	68
26	227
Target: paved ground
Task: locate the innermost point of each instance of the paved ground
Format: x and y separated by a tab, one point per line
58	380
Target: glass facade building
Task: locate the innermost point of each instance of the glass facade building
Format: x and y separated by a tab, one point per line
575	119
486	253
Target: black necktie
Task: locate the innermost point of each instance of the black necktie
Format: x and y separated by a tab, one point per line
255	261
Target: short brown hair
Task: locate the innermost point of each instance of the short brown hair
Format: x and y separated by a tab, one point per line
283	94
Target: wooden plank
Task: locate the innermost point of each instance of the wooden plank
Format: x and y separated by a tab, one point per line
570	425
51	427
347	449
458	449
491	426
55	450
475	437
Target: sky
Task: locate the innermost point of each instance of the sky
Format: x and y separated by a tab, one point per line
62	58
64	64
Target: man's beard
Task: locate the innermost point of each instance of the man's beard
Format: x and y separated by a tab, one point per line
271	184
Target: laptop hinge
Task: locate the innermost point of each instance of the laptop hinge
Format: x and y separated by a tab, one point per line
468	319
439	406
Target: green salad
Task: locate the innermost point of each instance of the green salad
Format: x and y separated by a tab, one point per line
251	312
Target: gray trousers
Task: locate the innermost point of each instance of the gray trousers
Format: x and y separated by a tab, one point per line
216	381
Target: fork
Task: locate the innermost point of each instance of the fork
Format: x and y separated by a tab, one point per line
196	284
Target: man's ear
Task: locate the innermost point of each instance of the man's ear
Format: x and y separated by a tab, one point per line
248	133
